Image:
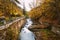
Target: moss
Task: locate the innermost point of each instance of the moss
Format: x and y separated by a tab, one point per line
45	34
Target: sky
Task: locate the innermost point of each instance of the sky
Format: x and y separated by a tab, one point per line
27	3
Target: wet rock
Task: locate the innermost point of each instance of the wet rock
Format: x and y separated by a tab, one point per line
12	32
45	34
56	30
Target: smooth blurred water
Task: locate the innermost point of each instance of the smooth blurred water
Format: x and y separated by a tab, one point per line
26	34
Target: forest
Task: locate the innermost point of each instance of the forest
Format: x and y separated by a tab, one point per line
45	17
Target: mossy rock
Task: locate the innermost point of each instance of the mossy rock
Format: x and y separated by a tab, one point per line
45	34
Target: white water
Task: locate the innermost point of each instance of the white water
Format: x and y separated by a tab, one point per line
26	34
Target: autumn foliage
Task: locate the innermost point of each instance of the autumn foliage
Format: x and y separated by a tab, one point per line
8	8
50	9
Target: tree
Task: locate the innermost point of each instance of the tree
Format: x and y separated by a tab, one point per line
47	12
9	8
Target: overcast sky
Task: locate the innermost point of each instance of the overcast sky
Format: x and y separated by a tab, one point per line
26	3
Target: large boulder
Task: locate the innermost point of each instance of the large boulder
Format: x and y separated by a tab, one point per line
45	34
11	32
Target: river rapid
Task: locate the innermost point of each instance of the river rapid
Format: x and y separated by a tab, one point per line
25	33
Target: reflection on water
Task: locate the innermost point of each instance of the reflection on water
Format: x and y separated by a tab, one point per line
26	34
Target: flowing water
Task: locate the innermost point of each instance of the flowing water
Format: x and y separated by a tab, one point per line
25	33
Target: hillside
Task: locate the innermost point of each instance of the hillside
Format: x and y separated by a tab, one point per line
48	10
8	8
46	18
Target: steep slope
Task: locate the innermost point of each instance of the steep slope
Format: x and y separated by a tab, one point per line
48	16
48	10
